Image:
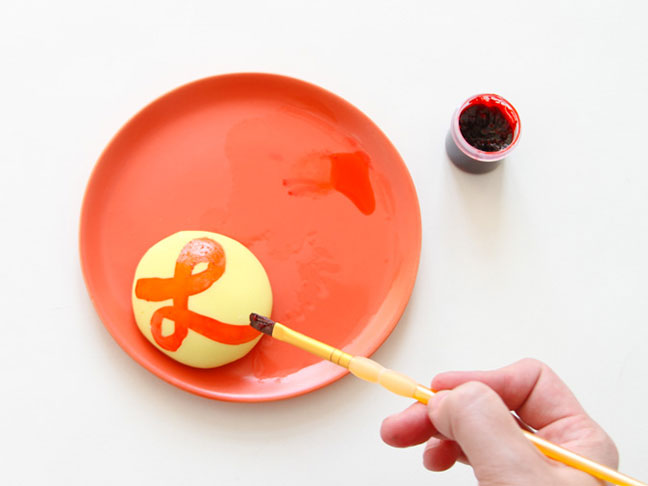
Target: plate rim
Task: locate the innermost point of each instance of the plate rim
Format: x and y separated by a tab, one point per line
398	310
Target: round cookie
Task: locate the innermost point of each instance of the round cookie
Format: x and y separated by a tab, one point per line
192	296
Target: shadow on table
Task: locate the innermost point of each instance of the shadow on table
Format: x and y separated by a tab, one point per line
480	197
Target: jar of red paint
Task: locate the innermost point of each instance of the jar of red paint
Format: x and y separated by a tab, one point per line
484	130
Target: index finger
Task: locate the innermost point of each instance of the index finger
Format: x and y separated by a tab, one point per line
528	386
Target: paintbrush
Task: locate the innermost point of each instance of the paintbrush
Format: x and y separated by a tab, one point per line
403	385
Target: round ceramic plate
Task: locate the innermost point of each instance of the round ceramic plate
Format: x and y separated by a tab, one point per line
298	175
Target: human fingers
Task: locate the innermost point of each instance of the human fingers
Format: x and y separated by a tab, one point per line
441	454
528	386
543	401
410	427
475	417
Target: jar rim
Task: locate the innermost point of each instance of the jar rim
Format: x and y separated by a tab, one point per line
473	152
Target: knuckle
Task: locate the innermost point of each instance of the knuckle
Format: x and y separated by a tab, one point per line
601	442
473	391
533	363
533	367
467	403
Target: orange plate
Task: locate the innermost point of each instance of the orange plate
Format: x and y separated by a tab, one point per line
298	175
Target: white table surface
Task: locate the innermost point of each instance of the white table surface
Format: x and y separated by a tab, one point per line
545	257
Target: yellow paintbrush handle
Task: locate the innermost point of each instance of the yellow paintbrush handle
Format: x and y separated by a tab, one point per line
581	463
367	369
318	348
400	384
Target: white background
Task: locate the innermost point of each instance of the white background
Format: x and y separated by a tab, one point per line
545	257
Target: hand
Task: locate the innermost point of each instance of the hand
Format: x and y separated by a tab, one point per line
469	421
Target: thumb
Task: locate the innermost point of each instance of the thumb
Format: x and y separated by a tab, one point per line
475	417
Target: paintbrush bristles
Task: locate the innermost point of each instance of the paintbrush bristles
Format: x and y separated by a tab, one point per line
262	324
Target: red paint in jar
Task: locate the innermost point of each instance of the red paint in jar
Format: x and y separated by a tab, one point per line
484	130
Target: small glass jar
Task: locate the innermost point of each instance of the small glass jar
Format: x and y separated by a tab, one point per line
504	122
